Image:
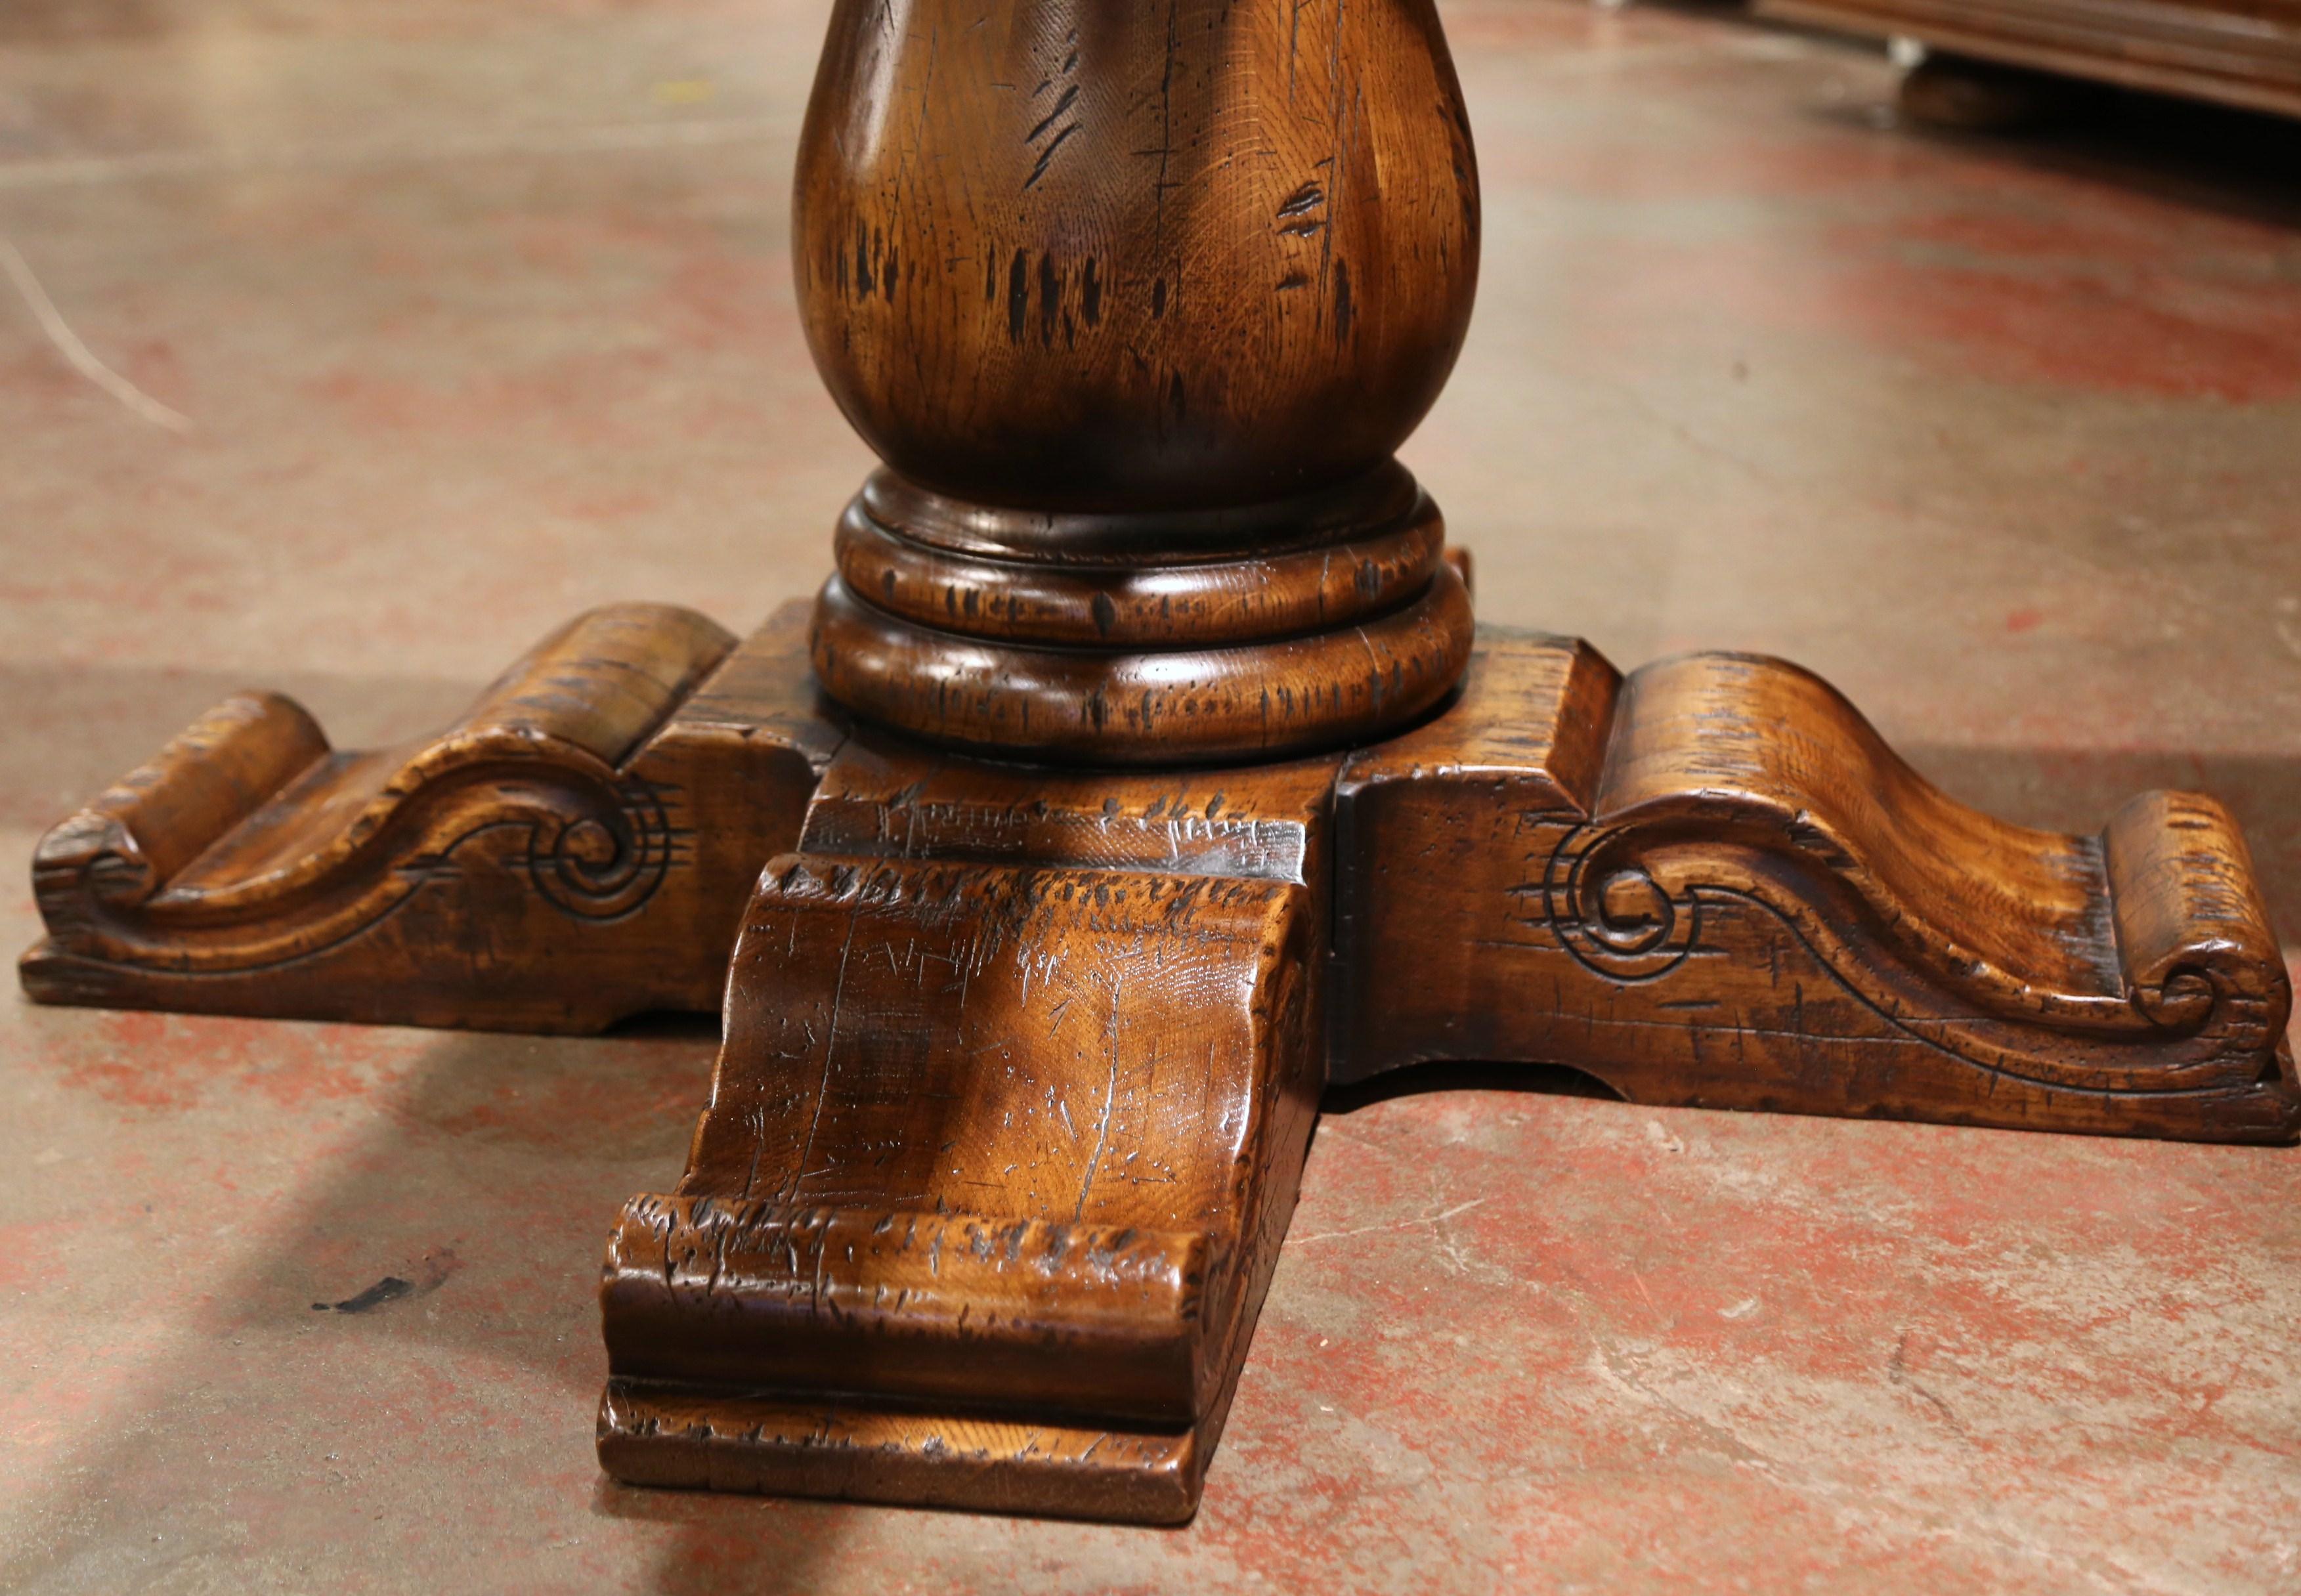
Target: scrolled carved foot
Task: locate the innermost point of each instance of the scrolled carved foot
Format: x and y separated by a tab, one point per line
1020	1072
1712	883
576	848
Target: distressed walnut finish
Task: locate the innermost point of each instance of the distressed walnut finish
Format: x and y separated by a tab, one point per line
1135	302
1134	258
1013	1096
1728	893
575	850
1019	1064
1137	773
1019	1073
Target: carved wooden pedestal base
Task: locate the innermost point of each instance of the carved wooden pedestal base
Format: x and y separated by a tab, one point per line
1020	1064
1021	1061
575	850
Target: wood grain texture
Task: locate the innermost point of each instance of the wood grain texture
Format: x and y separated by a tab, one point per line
575	849
1149	706
2245	53
1134	257
998	1154
1136	303
1268	572
1019	1062
1711	883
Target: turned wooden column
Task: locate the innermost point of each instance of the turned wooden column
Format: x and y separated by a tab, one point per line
1136	302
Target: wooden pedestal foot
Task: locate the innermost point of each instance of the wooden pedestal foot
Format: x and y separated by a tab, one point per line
1711	883
1020	1065
575	849
1018	1075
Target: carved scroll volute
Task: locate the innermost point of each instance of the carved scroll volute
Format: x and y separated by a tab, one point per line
1076	255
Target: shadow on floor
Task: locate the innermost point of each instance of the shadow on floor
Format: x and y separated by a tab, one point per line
427	1308
1420	1080
2205	156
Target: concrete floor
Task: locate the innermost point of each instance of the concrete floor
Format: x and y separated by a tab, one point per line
476	314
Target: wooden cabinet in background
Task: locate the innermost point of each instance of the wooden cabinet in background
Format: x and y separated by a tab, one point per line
2244	53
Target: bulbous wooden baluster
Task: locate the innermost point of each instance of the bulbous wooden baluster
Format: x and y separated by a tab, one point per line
1136	302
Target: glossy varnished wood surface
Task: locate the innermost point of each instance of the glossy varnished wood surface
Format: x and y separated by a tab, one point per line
1149	706
1712	883
1018	1075
1177	790
1009	1110
573	850
1518	1334
1314	563
1136	303
1134	257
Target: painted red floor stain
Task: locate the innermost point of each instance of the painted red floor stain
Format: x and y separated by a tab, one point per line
1941	253
2080	326
171	1063
633	1090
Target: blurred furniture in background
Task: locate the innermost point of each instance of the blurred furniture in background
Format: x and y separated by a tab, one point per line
2245	53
